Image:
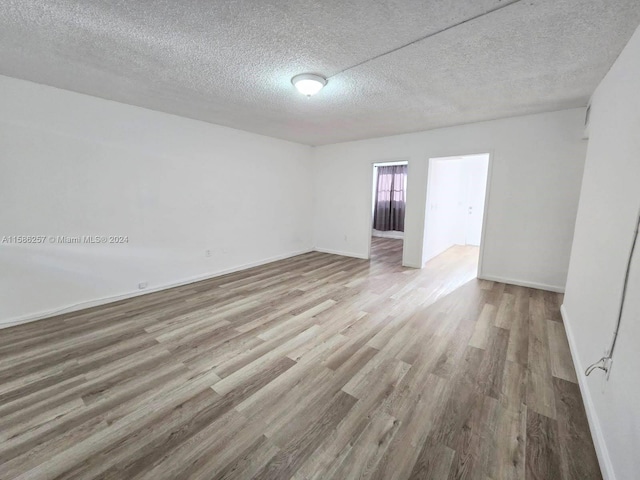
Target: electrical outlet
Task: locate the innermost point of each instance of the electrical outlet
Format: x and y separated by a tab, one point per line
142	285
207	253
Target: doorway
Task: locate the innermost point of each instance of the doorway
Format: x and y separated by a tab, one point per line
455	210
388	206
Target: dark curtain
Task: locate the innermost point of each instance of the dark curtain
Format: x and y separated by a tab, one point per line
391	198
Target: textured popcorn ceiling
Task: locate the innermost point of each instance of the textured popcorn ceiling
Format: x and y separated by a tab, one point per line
230	61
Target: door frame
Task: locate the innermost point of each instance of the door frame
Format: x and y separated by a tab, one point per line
372	194
487	197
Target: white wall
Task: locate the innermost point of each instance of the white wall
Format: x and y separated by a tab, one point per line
71	164
537	163
609	204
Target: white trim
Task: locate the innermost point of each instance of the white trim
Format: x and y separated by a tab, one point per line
606	467
116	298
523	283
485	212
389	164
411	265
343	254
387	234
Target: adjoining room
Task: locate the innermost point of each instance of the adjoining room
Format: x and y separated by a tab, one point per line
456	195
388	211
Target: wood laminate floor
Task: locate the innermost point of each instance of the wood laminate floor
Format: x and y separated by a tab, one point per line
315	367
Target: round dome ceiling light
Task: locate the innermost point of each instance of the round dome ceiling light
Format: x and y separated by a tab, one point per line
308	83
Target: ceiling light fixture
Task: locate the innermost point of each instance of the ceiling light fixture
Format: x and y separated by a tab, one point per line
309	83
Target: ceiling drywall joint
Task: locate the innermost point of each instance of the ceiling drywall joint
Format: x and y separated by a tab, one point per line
429	35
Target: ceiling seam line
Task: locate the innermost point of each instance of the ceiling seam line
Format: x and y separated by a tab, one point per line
413	42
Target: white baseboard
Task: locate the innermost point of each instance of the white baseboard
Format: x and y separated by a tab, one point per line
602	452
387	234
411	265
115	298
523	283
337	252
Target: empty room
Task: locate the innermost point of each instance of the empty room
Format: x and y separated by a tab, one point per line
319	240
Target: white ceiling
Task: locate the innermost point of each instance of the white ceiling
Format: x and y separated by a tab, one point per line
230	62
